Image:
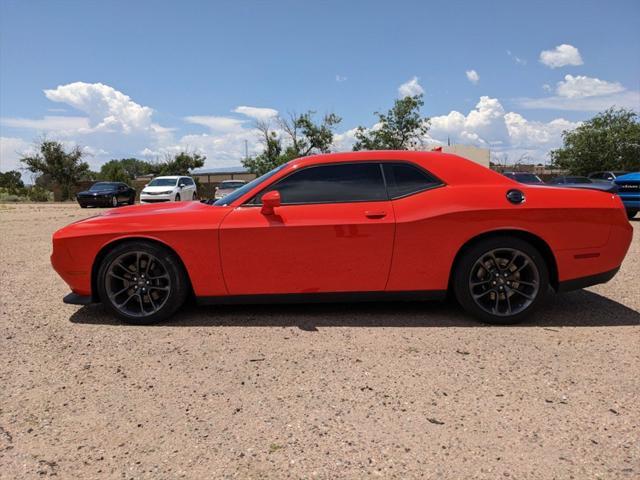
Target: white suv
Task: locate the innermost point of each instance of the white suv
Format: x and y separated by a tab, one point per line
169	189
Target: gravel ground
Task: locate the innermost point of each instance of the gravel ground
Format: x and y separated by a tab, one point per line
398	390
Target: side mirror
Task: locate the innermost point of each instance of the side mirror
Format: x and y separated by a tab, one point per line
182	185
270	200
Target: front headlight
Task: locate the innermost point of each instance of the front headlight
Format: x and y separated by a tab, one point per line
166	192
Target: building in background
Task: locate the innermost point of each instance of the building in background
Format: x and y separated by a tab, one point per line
475	154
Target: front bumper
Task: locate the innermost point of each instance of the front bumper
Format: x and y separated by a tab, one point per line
146	198
630	201
95	201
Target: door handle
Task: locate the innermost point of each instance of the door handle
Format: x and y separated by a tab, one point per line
375	214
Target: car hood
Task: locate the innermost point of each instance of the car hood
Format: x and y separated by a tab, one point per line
158	189
147	219
95	192
633	177
601	186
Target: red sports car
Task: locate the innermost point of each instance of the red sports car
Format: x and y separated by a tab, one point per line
350	226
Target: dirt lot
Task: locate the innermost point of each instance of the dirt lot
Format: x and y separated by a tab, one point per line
333	391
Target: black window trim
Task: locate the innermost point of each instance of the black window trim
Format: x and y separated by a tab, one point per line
384	180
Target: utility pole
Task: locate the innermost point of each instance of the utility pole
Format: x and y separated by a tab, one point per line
246	149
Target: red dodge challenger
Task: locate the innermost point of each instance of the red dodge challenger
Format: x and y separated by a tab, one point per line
350	226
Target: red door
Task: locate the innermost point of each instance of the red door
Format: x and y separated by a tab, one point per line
312	247
307	248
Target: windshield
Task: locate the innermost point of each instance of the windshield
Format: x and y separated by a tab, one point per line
163	182
528	178
578	180
233	196
226	184
102	186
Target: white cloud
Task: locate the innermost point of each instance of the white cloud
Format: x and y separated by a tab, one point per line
410	88
216	124
11	148
341	78
47	123
256	113
473	76
107	108
628	99
561	56
518	60
581	86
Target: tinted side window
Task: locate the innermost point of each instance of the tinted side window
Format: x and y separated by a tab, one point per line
333	184
405	179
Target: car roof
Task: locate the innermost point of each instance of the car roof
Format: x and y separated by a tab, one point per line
170	177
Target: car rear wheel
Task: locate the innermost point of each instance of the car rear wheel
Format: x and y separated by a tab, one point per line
631	212
142	282
501	280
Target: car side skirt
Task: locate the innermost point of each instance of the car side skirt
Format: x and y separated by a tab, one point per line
583	282
329	297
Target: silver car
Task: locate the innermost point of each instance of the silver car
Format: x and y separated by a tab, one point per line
226	187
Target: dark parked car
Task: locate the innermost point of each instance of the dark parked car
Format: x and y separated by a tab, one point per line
107	194
524	177
606	176
583	182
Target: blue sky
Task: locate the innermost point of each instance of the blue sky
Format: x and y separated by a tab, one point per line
147	79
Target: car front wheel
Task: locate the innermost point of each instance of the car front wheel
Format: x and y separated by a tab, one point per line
142	282
501	280
177	197
114	201
631	212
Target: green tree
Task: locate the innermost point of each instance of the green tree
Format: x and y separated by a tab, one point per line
64	168
180	164
124	170
12	181
401	128
608	141
301	136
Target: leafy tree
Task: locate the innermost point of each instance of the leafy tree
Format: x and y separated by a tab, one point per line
12	181
401	128
608	141
64	168
180	164
124	170
301	136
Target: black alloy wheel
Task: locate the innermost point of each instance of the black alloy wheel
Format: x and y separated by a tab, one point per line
142	282
501	280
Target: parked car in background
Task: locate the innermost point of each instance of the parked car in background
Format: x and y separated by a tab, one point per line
351	226
226	187
629	191
524	177
606	176
172	188
107	194
582	182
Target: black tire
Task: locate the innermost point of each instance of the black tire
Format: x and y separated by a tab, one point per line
477	260
177	197
177	279
631	212
132	200
83	206
114	201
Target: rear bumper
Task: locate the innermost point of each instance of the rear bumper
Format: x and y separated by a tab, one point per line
588	281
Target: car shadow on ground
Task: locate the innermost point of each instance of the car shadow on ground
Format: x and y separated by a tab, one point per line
576	309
